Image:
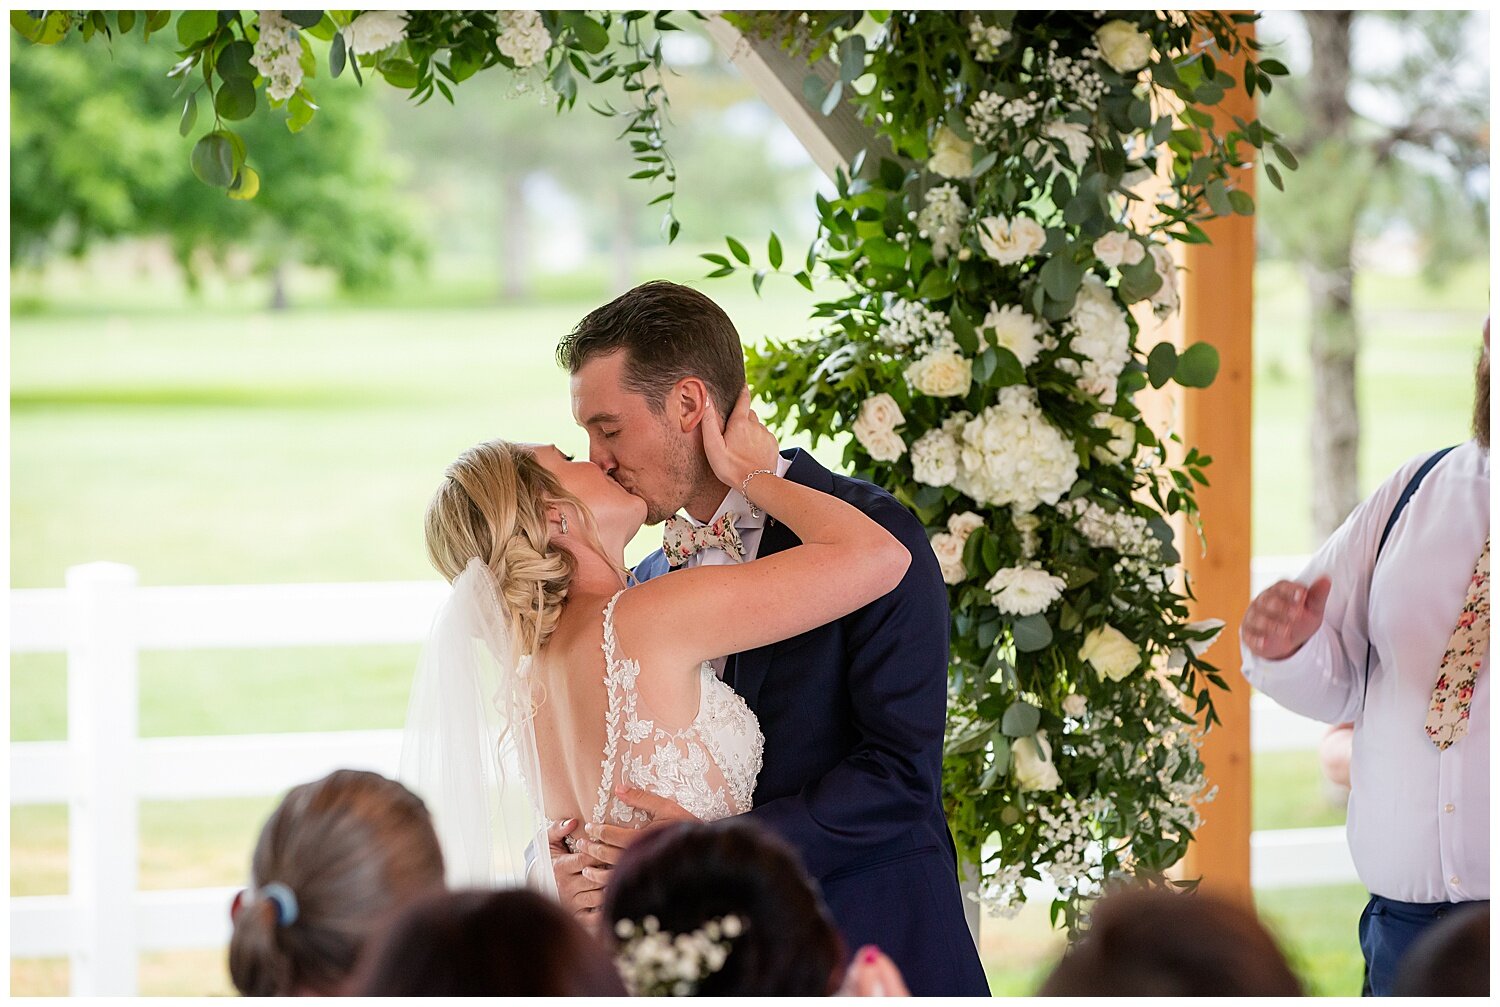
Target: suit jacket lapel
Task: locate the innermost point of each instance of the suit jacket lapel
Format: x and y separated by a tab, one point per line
746	671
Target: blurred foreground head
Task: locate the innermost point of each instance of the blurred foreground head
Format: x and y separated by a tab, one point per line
487	943
686	881
1152	942
335	861
1451	959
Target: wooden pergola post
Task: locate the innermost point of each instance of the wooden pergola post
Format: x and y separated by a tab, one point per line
1218	308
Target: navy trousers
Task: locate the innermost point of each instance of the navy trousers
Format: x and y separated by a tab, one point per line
1387	928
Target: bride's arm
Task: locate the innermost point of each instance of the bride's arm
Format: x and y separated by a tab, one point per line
845	561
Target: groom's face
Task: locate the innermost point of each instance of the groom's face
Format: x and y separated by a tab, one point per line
643	449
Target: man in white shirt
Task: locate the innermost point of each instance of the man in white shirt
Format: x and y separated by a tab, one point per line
1401	649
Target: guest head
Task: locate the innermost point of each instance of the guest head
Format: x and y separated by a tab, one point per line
1154	943
487	943
754	919
337	858
1451	959
530	513
644	367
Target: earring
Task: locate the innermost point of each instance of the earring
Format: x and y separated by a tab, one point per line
563	520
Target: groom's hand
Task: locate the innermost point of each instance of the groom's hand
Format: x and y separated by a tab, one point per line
608	843
580	885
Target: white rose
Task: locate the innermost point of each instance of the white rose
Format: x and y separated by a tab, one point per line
942	374
965	524
952	155
875	428
1031	763
1121	439
1178	659
375	30
1122	46
1165	299
949	550
1012	328
934	459
1007	241
1116	248
1111	653
1022	590
1074	705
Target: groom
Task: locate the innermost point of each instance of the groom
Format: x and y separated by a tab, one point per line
853	712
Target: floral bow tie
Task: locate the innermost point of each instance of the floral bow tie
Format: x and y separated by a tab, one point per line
681	538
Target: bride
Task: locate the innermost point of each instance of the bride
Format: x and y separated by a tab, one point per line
591	686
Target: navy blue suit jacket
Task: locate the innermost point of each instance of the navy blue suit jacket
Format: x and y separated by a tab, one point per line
853	714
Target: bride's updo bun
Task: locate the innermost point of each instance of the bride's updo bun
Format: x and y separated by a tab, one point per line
492	505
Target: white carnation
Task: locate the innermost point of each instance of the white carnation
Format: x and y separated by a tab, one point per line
1011	454
952	155
875	428
1101	335
934	459
374	31
941	374
1009	240
523	38
1074	136
1116	248
1024	590
949	550
1012	328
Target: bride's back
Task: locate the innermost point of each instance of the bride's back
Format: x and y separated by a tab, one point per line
671	731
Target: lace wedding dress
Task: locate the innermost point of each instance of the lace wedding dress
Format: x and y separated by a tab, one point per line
708	767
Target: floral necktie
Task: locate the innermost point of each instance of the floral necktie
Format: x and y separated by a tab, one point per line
681	538
1448	713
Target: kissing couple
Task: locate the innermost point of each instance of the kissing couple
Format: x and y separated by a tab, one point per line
784	656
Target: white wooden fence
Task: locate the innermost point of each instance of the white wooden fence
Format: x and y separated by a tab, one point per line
102	620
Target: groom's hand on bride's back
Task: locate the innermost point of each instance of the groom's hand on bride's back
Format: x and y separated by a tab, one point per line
580	880
608	843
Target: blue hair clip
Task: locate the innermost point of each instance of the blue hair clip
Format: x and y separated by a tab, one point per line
286	902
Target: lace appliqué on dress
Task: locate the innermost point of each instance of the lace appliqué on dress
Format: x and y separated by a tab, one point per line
709	767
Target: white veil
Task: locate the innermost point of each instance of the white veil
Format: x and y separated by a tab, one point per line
469	750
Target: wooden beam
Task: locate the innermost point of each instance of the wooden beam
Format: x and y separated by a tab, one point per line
1217	307
831	140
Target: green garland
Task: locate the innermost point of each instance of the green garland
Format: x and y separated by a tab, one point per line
985	362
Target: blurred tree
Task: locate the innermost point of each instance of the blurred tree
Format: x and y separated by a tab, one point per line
1390	123
95	156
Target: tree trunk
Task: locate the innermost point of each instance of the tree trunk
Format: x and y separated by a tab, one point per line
514	239
279	300
1329	274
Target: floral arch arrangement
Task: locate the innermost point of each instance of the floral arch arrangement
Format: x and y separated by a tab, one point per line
1026	177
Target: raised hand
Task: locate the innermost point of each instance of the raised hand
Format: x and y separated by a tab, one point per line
1283	617
741	447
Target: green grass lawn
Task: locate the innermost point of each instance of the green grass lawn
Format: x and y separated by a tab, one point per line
239	446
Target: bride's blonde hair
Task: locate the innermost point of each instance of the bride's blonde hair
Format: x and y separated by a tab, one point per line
492	505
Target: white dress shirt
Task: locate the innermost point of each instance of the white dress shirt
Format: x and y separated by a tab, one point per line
751	523
1418	817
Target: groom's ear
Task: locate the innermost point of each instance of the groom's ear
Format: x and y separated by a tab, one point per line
687	403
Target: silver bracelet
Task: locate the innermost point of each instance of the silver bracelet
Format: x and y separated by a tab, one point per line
745	486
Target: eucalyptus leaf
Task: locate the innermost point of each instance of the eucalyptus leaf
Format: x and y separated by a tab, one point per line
236	99
337	54
1061	277
193	26
245	185
213	160
1031	633
1161	364
234	61
1198	366
303	18
189	114
1021	719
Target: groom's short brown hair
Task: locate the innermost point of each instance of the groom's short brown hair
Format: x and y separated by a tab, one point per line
670	332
